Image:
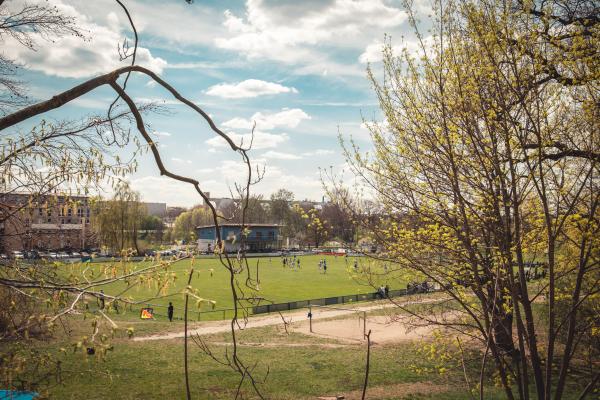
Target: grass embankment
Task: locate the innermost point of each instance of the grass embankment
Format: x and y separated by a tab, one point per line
300	367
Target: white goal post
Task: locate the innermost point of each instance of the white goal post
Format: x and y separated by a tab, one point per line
330	314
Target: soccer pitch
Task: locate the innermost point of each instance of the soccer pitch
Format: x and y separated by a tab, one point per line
278	283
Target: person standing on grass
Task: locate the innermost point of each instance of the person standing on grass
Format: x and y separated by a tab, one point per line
170	312
102	299
324	267
298	263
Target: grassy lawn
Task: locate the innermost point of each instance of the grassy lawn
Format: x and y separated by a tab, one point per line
154	370
277	283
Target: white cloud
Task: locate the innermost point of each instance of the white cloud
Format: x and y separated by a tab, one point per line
248	89
289	118
222	180
156	100
281	156
274	178
162	134
318	152
73	57
374	52
261	140
180	160
163	189
266	32
178	25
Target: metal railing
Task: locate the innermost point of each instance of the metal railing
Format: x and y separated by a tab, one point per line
328	301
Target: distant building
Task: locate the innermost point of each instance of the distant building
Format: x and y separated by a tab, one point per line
262	237
172	214
222	203
156	209
44	222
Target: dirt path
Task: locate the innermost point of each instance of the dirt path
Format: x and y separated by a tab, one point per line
212	327
397	390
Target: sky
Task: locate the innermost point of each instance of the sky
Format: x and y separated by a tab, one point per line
295	69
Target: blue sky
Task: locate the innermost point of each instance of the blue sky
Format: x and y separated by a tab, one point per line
296	68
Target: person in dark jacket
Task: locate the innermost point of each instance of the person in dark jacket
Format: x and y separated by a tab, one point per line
170	311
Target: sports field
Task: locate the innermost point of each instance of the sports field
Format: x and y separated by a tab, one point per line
278	283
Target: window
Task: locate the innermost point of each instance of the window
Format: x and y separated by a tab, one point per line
69	212
40	211
259	235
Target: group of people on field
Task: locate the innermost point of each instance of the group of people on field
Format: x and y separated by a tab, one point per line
323	265
292	263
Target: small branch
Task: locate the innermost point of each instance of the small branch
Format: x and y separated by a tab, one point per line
589	387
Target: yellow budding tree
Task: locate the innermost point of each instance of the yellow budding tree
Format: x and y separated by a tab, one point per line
487	165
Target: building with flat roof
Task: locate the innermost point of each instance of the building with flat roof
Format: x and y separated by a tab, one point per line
44	222
156	209
261	237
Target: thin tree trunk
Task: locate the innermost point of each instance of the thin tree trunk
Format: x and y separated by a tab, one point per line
551	314
364	392
185	338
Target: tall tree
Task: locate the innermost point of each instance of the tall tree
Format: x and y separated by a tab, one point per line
118	221
488	161
184	227
280	205
316	229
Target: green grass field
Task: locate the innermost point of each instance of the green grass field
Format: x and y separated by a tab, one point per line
300	366
277	283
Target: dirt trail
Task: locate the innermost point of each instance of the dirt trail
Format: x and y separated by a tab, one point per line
211	327
400	390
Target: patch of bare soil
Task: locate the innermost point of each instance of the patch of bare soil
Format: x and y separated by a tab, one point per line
270	345
383	330
396	390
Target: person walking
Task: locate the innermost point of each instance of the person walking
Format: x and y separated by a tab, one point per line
170	312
